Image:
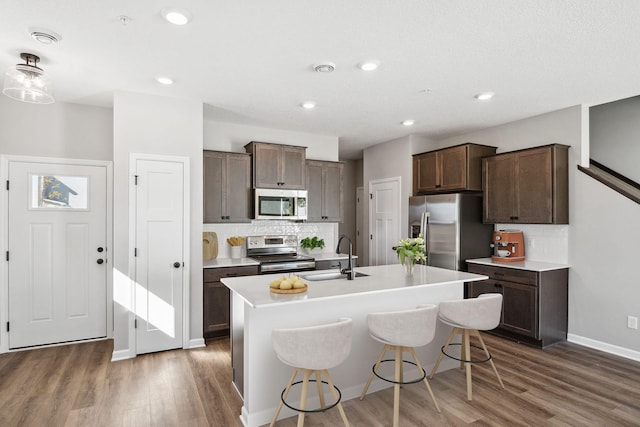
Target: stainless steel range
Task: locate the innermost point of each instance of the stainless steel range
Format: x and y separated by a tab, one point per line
278	254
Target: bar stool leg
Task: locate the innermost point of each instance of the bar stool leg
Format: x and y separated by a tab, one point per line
366	387
284	396
396	388
446	346
335	396
303	396
467	352
433	397
493	366
320	391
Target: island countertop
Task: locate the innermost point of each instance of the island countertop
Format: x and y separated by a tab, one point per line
254	290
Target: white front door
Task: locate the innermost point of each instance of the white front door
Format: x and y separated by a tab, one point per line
57	217
384	220
159	254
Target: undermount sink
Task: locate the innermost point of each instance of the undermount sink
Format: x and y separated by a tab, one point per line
332	275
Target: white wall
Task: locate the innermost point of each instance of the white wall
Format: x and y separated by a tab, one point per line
233	137
57	130
615	135
165	126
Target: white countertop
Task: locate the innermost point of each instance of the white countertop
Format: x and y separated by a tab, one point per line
384	278
521	265
331	256
228	262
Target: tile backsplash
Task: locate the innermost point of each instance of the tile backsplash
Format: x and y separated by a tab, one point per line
549	243
326	231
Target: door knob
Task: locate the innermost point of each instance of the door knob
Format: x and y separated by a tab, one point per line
100	261
100	249
176	264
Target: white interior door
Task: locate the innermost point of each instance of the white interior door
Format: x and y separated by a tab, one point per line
384	220
57	218
159	242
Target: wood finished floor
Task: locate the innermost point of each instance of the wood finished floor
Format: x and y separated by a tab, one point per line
77	385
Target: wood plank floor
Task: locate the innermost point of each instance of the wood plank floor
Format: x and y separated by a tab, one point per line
77	385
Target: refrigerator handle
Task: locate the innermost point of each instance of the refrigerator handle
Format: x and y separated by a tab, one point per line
424	230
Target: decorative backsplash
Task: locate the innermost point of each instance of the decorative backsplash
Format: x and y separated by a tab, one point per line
326	231
549	243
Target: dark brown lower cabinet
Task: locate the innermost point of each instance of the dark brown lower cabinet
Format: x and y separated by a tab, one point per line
215	303
534	307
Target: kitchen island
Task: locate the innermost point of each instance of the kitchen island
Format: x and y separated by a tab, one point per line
260	377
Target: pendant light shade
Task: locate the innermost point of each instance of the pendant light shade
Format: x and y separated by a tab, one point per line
27	82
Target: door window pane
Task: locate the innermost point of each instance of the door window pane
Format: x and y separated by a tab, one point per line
59	192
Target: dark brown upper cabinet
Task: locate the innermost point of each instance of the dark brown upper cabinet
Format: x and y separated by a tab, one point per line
227	187
277	166
457	168
324	185
527	186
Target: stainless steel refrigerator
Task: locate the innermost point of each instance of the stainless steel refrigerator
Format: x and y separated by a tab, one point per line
452	227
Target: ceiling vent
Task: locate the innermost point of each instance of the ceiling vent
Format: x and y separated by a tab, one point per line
44	36
326	67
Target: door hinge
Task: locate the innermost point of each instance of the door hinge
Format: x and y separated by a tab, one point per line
8	327
7	255
135	251
136	179
371	196
135	323
370	236
7	185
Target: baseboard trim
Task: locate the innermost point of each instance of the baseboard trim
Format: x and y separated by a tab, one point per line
197	343
121	355
603	346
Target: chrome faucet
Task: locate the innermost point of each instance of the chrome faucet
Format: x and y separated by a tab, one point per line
349	271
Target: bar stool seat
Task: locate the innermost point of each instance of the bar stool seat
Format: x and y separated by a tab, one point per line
313	351
401	331
468	317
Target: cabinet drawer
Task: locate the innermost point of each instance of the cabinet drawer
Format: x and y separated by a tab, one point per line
503	273
215	274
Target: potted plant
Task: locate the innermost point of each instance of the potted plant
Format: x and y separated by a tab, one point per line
312	244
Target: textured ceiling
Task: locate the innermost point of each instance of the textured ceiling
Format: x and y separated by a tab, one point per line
251	61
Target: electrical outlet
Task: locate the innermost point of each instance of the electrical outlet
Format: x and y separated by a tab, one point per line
632	322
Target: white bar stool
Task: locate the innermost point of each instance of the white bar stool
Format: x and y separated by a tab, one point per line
401	331
313	350
468	317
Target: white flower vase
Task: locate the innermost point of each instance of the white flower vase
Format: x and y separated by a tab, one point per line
408	265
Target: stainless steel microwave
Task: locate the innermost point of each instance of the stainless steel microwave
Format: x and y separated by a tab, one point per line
280	204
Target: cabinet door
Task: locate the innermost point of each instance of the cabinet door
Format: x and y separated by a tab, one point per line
482	287
314	190
332	192
499	189
267	166
238	188
452	165
215	309
519	308
293	168
213	186
425	173
534	194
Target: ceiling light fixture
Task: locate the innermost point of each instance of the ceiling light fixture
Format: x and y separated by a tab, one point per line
408	122
27	82
164	80
326	67
369	65
484	96
308	105
176	16
44	36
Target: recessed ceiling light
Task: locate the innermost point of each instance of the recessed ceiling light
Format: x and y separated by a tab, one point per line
484	96
164	80
44	36
308	105
408	122
325	67
176	16
369	65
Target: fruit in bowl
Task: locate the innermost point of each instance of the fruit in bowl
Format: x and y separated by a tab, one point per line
286	283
